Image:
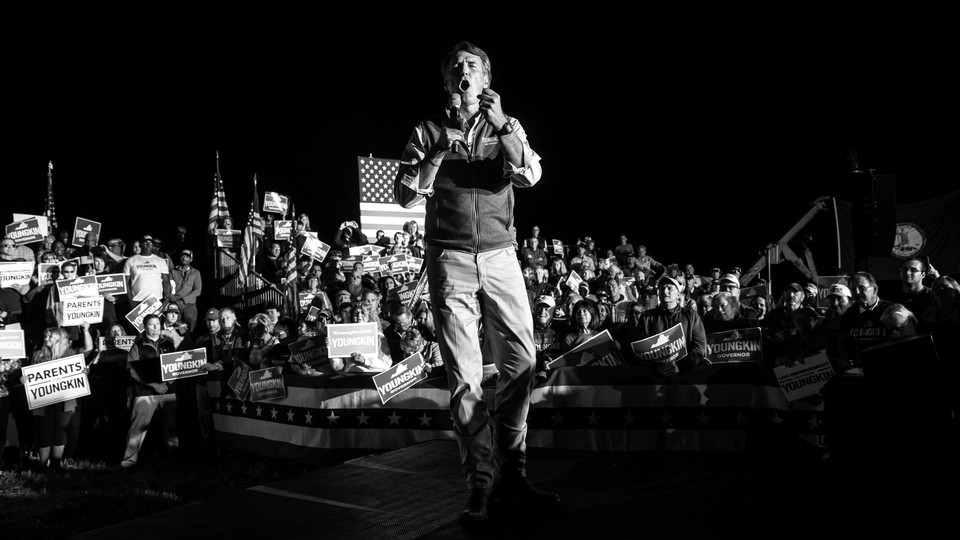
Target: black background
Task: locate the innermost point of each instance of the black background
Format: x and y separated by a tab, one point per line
704	139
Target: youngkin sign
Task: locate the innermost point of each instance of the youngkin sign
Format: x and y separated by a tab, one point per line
667	346
51	382
267	384
400	377
182	364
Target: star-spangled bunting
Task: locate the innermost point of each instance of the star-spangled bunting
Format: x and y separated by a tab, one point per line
378	209
693	418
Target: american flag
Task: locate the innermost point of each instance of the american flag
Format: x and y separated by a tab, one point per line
378	209
49	209
218	205
252	235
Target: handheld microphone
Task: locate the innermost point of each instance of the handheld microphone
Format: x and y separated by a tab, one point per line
454	126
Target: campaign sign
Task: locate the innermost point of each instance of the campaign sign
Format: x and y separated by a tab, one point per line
228	238
398	264
574	281
114	284
420	291
348	338
77	311
51	382
414	264
81	287
275	203
405	292
82	227
282	229
347	262
15	274
114	349
667	346
315	249
267	384
148	306
48	273
742	345
557	247
182	364
402	375
12	344
595	352
310	352
312	313
305	299
41	220
27	231
369	249
239	380
804	378
371	265
747	294
824	283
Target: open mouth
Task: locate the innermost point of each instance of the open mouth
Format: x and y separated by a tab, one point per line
464	85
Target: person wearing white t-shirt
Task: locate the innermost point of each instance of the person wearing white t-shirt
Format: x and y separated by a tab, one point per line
147	274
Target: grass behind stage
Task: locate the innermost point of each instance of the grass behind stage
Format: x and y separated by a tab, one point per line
89	495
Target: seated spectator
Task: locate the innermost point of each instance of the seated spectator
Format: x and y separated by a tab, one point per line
413	342
668	313
899	321
401	320
760	305
359	363
630	330
546	338
584	323
260	328
423	316
725	315
789	326
731	283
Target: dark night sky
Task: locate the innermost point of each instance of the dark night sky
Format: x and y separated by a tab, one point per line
705	142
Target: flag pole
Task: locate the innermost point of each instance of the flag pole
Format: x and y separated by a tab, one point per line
836	221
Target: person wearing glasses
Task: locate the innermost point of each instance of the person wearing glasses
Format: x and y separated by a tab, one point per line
731	283
861	322
913	294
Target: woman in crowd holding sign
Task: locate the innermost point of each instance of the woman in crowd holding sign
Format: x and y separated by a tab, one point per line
51	421
584	323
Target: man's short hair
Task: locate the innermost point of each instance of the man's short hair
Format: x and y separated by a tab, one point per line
472	49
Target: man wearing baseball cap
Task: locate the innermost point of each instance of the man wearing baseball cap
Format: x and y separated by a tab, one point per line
189	285
830	328
545	336
668	314
731	283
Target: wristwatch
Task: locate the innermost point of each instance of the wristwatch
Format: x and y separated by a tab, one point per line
506	129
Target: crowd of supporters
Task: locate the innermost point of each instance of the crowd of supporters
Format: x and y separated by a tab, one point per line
576	292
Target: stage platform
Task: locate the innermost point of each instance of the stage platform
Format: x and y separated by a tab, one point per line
416	493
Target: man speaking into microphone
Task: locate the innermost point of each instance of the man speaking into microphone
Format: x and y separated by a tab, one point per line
466	160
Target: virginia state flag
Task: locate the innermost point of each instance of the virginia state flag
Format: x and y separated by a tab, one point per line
926	228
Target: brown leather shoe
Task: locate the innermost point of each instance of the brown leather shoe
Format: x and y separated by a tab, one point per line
521	491
477	507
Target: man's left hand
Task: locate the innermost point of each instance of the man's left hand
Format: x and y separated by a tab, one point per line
490	107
